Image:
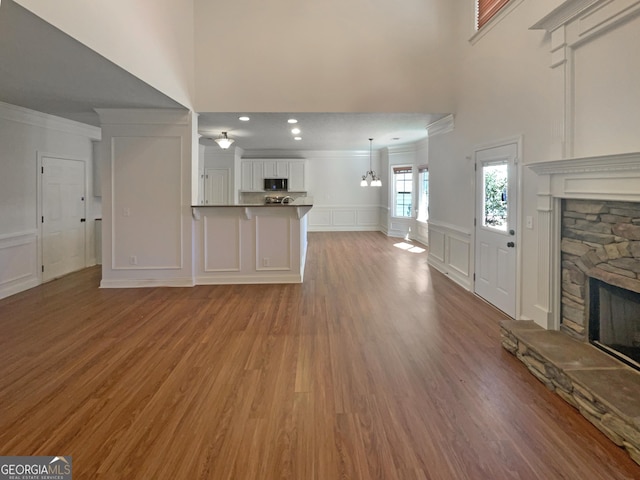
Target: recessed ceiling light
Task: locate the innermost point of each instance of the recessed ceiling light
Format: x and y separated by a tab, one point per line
295	131
244	118
395	138
297	138
292	120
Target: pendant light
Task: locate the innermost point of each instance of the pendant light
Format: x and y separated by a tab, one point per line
224	141
375	179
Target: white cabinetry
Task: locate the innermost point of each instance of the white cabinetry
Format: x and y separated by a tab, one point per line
254	171
296	176
276	169
258	176
251	176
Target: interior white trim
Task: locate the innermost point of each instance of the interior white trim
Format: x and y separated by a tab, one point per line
571	25
444	125
613	177
33	118
18	276
450	249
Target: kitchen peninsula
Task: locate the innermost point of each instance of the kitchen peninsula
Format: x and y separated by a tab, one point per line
251	243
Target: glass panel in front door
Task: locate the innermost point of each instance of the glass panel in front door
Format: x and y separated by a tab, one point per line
495	194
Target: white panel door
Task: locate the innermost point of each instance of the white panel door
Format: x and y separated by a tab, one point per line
63	216
496	221
216	182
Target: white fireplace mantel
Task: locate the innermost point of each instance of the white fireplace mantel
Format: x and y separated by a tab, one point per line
607	177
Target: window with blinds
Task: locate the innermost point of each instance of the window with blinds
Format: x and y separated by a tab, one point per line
486	10
402	189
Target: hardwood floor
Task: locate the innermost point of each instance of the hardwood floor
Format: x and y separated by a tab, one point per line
375	368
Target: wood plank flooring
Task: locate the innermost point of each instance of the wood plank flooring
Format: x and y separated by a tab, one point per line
375	368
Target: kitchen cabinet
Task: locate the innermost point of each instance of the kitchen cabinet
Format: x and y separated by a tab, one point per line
296	176
276	169
252	176
254	171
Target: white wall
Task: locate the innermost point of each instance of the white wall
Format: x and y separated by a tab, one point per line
152	39
147	225
324	56
23	135
505	88
340	203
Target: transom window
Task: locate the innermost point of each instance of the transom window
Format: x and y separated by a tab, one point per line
486	10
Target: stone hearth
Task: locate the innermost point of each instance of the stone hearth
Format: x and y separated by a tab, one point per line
604	390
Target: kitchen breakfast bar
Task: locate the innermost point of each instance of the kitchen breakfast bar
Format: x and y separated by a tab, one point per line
250	243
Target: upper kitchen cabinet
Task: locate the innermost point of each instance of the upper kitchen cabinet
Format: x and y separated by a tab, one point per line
296	176
276	169
252	176
254	171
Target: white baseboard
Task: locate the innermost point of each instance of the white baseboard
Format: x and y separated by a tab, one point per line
147	282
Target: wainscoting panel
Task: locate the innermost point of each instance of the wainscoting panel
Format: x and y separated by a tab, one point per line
369	217
222	240
422	233
273	243
338	218
437	240
18	262
344	218
450	252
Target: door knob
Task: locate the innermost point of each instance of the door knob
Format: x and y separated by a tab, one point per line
511	244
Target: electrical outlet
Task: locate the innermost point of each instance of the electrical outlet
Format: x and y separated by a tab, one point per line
265	262
133	260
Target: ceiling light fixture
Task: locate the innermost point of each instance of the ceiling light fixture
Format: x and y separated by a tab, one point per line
295	131
297	138
292	120
244	118
224	141
375	180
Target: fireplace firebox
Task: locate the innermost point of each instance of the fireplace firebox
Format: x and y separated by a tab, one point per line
614	321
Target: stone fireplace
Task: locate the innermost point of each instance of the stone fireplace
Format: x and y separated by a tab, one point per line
588	292
600	275
588	223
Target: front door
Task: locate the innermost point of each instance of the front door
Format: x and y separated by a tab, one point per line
496	221
63	217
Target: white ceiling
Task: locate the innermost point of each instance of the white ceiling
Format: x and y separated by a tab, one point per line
44	69
319	131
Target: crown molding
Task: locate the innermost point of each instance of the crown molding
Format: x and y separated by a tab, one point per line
143	116
444	125
27	116
603	163
563	14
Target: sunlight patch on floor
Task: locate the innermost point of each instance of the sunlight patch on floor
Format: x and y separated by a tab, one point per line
409	248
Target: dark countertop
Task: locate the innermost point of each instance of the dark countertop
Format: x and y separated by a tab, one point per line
252	205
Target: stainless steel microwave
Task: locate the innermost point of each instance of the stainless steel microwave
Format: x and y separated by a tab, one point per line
276	184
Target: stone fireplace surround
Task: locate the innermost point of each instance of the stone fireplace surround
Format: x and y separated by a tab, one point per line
554	346
598	237
600	240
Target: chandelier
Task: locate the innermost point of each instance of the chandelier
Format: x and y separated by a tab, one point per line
375	179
